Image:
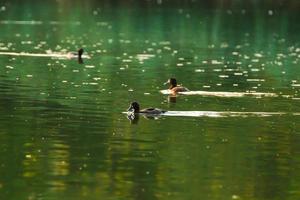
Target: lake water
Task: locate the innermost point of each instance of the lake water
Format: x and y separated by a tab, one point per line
62	131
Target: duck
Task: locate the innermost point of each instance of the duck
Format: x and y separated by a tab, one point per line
79	54
135	108
174	88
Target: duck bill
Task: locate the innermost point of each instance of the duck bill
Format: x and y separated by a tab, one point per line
130	109
166	83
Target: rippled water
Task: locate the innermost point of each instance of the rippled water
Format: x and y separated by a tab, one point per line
63	133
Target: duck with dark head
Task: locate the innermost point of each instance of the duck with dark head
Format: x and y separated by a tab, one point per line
174	88
79	54
135	108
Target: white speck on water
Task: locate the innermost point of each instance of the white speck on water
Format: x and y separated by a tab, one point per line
206	86
238	74
224	45
28	156
167	48
179	64
258	55
255	70
295	85
235	53
29	75
215	62
270	12
223	76
9	67
255	80
146	93
130	90
89	66
217	70
246	57
199	70
142	57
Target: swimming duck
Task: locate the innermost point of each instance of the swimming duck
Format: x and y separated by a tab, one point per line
174	88
135	108
79	54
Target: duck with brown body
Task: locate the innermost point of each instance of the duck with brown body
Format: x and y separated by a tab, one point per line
174	88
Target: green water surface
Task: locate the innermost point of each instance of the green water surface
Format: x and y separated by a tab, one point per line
62	131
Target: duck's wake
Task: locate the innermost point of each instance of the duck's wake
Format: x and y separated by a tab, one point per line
225	114
57	55
224	94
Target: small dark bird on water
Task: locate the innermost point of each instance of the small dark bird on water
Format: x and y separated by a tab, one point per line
79	53
135	108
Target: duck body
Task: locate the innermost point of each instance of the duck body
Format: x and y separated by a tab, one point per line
174	88
177	89
135	108
153	111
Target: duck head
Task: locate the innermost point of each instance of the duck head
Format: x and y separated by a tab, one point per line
172	82
80	52
134	107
